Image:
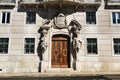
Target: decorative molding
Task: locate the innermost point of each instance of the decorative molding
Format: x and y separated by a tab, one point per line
60	21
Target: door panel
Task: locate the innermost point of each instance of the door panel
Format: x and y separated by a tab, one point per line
60	52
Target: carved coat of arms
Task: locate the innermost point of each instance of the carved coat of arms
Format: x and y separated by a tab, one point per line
60	21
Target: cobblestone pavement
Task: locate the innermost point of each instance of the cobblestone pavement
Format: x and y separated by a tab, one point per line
108	77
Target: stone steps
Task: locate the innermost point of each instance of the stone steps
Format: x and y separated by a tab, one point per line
60	70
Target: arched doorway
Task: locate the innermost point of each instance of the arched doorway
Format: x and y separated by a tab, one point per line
60	56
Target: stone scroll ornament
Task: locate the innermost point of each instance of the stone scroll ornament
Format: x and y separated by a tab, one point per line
74	29
44	31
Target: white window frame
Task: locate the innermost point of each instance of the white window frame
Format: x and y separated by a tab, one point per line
98	51
7	44
6	14
26	18
92	43
117	14
34	47
95	18
113	51
111	16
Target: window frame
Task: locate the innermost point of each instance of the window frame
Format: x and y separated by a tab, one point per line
117	17
96	46
3	52
91	22
7	19
114	47
28	53
111	16
29	21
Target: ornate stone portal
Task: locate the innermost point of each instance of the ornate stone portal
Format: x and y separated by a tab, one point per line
59	24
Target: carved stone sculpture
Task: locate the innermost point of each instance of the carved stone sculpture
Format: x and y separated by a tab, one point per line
76	44
43	45
44	30
74	29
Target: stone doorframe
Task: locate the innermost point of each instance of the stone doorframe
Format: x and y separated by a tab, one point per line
47	31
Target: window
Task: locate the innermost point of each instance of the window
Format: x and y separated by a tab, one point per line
6	17
31	18
4	45
116	46
92	46
91	17
29	45
116	17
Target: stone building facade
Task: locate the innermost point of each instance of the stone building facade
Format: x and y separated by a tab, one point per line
59	35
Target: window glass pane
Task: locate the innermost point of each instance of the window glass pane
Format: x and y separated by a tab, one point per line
114	18
26	46
95	51
5	50
31	18
92	45
119	15
27	50
8	17
91	17
118	20
29	45
32	46
32	50
3	17
116	51
1	50
4	45
116	46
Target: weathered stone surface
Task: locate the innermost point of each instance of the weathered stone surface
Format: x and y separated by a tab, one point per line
18	62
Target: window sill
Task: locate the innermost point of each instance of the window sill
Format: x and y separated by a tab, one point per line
92	54
3	53
91	25
30	24
5	24
29	54
115	25
116	55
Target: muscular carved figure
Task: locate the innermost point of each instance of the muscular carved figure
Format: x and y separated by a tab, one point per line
43	46
43	43
76	44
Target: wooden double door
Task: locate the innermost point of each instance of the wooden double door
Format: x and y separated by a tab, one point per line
60	52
